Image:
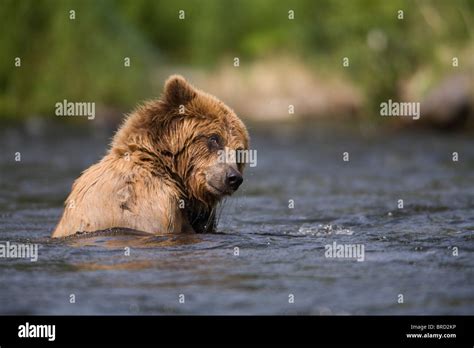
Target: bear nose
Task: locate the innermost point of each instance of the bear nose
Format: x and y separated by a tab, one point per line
234	179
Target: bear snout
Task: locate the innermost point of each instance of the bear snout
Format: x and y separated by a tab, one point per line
233	179
223	179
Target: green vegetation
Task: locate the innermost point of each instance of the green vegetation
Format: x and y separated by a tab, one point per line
83	59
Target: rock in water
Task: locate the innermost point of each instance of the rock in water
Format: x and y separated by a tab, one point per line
449	104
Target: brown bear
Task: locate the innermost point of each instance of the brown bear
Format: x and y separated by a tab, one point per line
163	172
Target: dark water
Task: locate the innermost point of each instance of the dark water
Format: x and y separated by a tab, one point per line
408	251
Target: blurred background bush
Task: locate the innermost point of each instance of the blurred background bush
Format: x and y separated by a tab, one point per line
395	55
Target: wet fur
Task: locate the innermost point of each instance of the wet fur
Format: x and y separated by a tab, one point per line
157	161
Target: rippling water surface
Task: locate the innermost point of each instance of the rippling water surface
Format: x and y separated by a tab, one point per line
281	250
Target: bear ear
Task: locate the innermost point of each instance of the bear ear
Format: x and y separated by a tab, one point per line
178	91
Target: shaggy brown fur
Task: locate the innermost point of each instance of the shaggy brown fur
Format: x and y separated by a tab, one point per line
161	174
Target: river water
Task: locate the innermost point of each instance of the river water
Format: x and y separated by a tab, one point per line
269	255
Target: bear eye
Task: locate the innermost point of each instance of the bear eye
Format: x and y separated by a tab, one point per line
214	141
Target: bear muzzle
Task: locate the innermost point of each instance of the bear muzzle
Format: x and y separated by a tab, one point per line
233	179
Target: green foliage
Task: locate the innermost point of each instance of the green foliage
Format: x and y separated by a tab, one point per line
82	59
